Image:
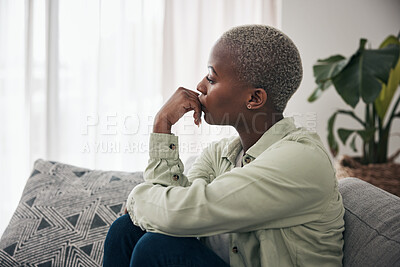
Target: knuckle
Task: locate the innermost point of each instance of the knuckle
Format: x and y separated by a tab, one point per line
182	91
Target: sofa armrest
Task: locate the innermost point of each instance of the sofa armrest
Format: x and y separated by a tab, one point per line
372	225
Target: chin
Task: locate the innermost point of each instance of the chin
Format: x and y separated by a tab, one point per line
212	121
208	118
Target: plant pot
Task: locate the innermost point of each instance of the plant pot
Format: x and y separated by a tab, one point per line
385	175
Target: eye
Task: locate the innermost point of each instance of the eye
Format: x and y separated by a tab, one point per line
209	80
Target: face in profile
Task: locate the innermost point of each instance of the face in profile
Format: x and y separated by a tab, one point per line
223	96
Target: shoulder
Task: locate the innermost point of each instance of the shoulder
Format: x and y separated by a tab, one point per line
300	156
303	141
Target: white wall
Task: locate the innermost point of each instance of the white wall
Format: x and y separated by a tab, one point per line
321	28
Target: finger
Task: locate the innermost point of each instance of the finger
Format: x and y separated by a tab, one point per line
188	100
194	98
197	117
194	104
197	112
195	94
191	92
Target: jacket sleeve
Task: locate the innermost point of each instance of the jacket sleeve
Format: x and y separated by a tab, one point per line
286	185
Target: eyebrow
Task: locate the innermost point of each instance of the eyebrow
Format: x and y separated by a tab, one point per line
213	70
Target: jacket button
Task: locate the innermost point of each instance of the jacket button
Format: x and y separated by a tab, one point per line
235	250
175	177
247	160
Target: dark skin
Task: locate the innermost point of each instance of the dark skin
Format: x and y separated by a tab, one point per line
224	100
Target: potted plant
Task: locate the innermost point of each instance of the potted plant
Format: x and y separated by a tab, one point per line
372	76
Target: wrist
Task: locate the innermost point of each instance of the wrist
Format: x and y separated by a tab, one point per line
161	125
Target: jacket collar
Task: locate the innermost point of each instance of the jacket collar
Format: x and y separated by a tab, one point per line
274	134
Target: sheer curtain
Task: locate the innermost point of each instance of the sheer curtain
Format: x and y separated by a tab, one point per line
81	81
190	30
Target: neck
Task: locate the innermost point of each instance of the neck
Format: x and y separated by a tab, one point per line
250	133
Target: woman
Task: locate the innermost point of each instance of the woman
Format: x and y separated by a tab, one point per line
266	198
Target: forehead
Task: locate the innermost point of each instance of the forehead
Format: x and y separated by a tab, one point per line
221	59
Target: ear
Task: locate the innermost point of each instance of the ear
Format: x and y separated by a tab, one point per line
257	99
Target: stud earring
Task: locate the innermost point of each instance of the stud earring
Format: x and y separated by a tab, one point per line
248	106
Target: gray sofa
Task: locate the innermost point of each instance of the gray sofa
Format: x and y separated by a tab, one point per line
372	225
65	212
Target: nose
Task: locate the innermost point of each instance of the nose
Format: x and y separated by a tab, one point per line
201	87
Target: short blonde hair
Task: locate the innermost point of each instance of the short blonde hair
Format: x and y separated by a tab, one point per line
265	58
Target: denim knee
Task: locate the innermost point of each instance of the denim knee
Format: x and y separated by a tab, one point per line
155	249
151	244
118	229
120	242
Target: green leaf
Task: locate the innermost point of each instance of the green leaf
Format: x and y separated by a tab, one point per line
385	97
318	91
353	143
327	68
366	135
331	59
324	70
346	82
351	114
344	134
333	145
364	74
391	39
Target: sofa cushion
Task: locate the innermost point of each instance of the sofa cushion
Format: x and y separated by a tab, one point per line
65	212
64	215
372	225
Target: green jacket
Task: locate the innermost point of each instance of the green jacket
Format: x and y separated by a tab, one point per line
282	208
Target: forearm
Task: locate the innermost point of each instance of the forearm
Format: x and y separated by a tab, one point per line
257	196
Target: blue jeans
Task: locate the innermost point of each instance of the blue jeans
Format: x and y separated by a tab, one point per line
127	245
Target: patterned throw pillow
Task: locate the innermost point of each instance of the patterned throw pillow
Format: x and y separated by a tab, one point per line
64	215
